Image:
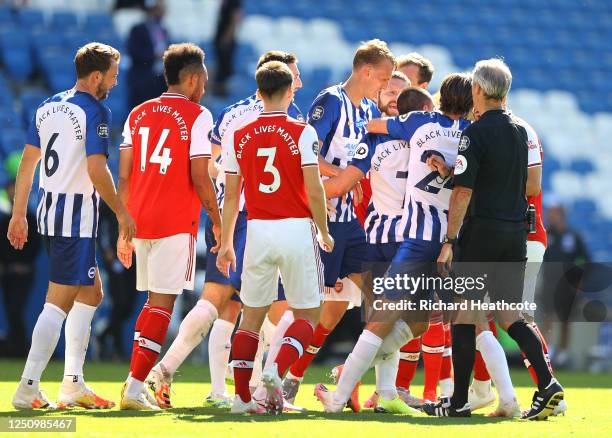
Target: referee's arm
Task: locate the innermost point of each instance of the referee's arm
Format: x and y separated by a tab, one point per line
466	169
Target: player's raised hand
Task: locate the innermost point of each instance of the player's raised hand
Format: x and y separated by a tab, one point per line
127	226
125	250
437	164
217	233
226	259
18	232
326	241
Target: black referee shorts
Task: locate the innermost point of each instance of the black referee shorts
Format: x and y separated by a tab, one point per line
497	251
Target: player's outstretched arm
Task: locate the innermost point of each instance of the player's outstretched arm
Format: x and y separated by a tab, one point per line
316	203
343	183
226	257
206	192
378	126
102	180
18	226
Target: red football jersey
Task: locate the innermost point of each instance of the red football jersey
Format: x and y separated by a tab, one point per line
165	134
270	153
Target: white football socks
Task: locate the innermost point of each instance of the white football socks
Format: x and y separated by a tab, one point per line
192	331
277	339
134	387
386	373
497	365
258	361
77	331
44	340
357	363
397	337
219	347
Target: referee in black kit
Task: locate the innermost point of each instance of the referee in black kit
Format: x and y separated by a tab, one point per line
490	178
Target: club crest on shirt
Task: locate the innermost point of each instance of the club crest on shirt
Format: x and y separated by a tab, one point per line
464	143
361	151
317	113
460	165
102	130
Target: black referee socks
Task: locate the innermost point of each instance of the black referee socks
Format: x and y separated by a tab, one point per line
530	345
464	352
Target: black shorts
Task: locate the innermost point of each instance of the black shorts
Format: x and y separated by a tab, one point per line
497	252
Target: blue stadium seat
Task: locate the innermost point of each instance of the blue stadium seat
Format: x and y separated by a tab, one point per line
30	100
18	63
63	20
10	119
6	15
60	80
98	22
75	38
31	19
582	166
11	140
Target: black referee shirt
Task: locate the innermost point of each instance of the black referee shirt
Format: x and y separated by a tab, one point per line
492	161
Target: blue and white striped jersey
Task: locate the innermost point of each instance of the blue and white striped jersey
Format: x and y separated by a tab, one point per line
425	215
68	127
231	118
387	161
340	127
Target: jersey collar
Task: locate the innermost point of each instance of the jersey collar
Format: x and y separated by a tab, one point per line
176	95
273	114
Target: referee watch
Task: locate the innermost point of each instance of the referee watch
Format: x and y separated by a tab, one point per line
449	240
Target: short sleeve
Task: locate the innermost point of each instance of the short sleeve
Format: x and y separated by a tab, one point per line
308	145
127	135
32	136
200	142
97	138
468	160
534	148
324	113
230	163
215	135
294	111
362	159
403	127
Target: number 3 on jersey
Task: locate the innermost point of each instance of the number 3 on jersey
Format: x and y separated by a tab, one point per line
270	153
163	160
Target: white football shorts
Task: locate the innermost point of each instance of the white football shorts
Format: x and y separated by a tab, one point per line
288	246
165	265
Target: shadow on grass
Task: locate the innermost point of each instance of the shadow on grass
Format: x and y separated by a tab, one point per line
10	371
207	415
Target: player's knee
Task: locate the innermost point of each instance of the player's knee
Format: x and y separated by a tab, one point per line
418	328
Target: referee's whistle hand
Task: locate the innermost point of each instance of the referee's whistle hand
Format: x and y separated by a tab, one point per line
445	260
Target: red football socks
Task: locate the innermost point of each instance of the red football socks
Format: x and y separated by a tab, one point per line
318	339
152	336
296	339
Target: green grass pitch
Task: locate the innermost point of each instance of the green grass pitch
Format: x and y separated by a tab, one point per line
588	397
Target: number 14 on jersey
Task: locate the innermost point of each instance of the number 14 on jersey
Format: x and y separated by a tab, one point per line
163	158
